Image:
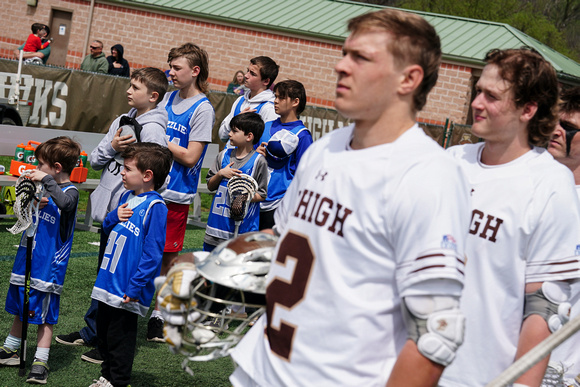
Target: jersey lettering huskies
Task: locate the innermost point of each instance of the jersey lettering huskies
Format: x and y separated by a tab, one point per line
127	262
183	181
352	266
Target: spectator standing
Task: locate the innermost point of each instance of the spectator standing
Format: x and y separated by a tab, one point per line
96	62
236	86
118	65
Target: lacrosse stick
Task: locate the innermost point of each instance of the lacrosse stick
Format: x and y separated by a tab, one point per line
241	189
28	195
536	354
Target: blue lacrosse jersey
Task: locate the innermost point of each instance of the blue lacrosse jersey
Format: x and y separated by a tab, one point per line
133	254
280	178
219	224
238	108
182	180
50	253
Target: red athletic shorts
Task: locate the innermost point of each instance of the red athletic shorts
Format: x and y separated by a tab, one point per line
176	223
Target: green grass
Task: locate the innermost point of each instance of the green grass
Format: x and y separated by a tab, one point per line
154	364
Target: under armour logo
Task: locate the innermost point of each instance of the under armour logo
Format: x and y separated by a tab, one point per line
321	175
472	191
441	325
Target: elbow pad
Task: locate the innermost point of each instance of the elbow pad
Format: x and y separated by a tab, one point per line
551	303
436	325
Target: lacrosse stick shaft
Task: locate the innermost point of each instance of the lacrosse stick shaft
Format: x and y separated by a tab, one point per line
536	354
25	305
237	223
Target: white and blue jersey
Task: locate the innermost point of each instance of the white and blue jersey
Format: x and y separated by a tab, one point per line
50	253
240	102
219	224
133	254
183	181
280	178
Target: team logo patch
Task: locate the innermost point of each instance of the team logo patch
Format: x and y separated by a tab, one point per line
449	242
142	213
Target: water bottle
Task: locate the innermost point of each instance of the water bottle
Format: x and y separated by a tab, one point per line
29	155
19	153
84	159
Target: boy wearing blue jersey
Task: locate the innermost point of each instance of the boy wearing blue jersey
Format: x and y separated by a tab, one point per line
124	286
52	245
148	121
189	130
247	128
260	76
283	143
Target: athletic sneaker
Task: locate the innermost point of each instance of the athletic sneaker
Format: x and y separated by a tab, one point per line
155	330
102	382
70	339
93	356
9	357
38	373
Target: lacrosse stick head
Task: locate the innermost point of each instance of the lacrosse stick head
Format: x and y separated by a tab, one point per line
241	190
28	195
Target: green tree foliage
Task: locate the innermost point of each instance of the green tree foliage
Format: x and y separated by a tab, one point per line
555	23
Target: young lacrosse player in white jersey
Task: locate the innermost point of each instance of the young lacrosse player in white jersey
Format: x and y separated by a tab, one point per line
525	224
368	257
565	147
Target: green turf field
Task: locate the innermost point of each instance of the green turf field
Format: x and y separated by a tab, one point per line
154	364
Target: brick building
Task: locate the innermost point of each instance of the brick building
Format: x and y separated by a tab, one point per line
303	36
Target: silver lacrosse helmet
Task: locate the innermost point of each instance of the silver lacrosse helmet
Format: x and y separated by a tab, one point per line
232	278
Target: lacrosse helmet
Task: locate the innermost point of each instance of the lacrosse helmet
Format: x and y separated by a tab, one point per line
232	276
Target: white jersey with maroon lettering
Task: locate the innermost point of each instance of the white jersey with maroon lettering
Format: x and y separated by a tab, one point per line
359	230
568	353
525	228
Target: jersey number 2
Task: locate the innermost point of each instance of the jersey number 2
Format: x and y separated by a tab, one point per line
111	243
286	295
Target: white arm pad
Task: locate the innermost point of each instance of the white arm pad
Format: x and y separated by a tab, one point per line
439	325
551	303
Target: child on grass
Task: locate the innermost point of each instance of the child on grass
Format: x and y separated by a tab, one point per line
247	128
52	245
124	286
260	76
191	118
283	143
149	120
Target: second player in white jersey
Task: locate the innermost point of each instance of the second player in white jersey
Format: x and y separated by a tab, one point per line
522	230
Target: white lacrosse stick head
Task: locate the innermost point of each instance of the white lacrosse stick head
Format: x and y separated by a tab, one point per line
241	190
28	195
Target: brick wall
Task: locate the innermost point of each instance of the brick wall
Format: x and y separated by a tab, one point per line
147	37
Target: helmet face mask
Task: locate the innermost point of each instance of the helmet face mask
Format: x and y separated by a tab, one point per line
232	277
